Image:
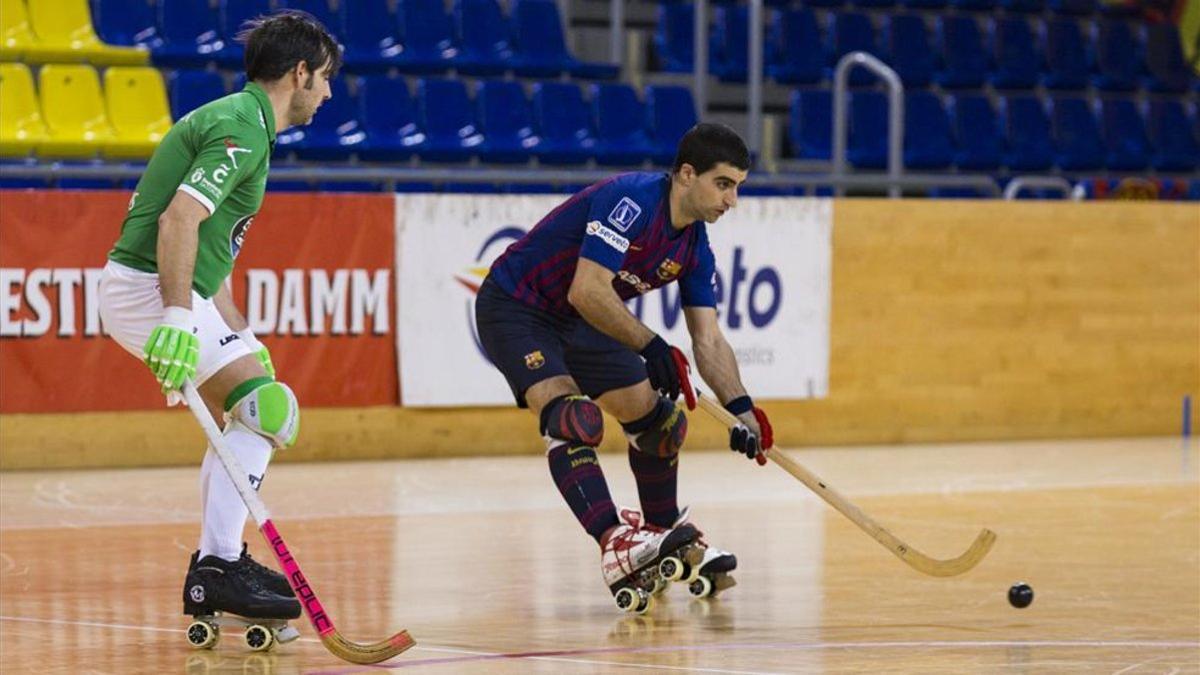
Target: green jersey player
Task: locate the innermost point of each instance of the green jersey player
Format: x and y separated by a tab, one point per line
164	294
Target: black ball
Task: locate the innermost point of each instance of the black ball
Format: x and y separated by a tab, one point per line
1020	595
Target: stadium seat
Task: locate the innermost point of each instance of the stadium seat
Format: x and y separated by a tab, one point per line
926	132
1017	57
974	5
371	35
562	123
923	4
15	33
673	37
541	48
74	111
810	129
389	119
907	44
1066	59
1076	135
1076	7
233	14
670	113
1164	59
964	61
427	35
1028	131
483	34
1118	56
190	89
136	101
621	138
868	120
1176	147
980	145
191	35
1124	135
322	11
128	23
64	33
22	129
445	113
506	122
1030	6
852	32
730	52
794	47
335	131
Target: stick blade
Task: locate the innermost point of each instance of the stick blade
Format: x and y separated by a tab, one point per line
376	652
954	566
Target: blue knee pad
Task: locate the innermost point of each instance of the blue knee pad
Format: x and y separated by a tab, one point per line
661	432
576	420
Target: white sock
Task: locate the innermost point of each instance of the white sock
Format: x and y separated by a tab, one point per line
224	512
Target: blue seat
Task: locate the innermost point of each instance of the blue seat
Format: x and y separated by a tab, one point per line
1175	145
923	4
445	113
880	4
321	11
1076	7
810	126
541	48
427	35
335	131
371	36
731	57
980	145
389	119
868	130
794	47
1031	6
483	36
1066	59
909	52
1076	135
233	15
673	37
670	113
1118	56
852	32
927	142
1017	59
1164	59
974	5
826	3
1028	129
191	34
190	89
126	23
964	61
562	123
621	138
1125	135
506	121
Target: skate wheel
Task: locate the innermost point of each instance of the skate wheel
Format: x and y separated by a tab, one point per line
700	587
203	635
672	568
660	586
646	604
628	599
259	638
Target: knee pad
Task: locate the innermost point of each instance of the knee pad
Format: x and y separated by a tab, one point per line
576	420
271	411
662	436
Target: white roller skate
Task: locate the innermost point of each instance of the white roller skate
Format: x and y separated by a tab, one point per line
705	569
631	556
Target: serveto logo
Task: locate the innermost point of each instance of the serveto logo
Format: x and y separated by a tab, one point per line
624	214
471	278
596	229
237	236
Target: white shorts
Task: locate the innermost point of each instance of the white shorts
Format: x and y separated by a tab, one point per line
131	306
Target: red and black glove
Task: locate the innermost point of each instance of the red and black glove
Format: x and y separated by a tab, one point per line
668	369
742	438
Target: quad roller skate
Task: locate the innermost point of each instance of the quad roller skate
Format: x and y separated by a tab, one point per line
631	557
703	568
218	593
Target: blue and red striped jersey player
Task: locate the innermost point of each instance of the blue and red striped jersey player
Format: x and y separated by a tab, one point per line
552	318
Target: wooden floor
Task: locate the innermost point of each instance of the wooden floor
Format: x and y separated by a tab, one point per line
487	569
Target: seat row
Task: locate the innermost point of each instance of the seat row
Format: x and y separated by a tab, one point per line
1024	135
1073	7
57	31
1011	52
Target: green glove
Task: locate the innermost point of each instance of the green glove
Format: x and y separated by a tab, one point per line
172	350
259	350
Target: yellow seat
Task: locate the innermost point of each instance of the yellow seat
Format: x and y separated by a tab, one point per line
137	107
22	129
74	111
15	34
64	33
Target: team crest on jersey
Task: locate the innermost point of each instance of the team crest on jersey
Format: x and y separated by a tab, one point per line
624	213
534	360
237	236
669	269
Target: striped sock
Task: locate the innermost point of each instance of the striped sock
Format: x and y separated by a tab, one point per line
656	479
576	472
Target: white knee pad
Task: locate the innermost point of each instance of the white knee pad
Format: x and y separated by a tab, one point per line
271	411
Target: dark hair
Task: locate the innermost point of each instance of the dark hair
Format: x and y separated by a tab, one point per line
277	42
707	144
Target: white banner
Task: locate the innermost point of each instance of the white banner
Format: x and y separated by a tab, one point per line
774	274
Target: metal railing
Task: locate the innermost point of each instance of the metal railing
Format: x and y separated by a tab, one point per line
1014	187
895	159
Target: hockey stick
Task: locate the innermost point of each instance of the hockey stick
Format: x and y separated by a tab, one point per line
321	621
911	556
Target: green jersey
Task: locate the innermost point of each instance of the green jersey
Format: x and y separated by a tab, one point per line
219	154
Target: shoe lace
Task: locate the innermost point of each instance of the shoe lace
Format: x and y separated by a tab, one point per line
254	565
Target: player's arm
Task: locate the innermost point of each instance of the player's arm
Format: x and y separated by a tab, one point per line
593	296
234	319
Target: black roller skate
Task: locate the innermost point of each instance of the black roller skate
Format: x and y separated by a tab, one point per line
270	579
220	593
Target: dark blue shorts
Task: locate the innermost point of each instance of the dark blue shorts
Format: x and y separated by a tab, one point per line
529	345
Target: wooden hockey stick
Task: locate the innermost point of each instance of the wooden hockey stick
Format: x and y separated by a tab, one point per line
911	556
321	621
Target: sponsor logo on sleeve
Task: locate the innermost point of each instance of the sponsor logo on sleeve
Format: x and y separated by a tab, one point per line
595	229
624	214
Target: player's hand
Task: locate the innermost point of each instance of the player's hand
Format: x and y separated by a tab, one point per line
259	350
668	369
172	351
754	434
